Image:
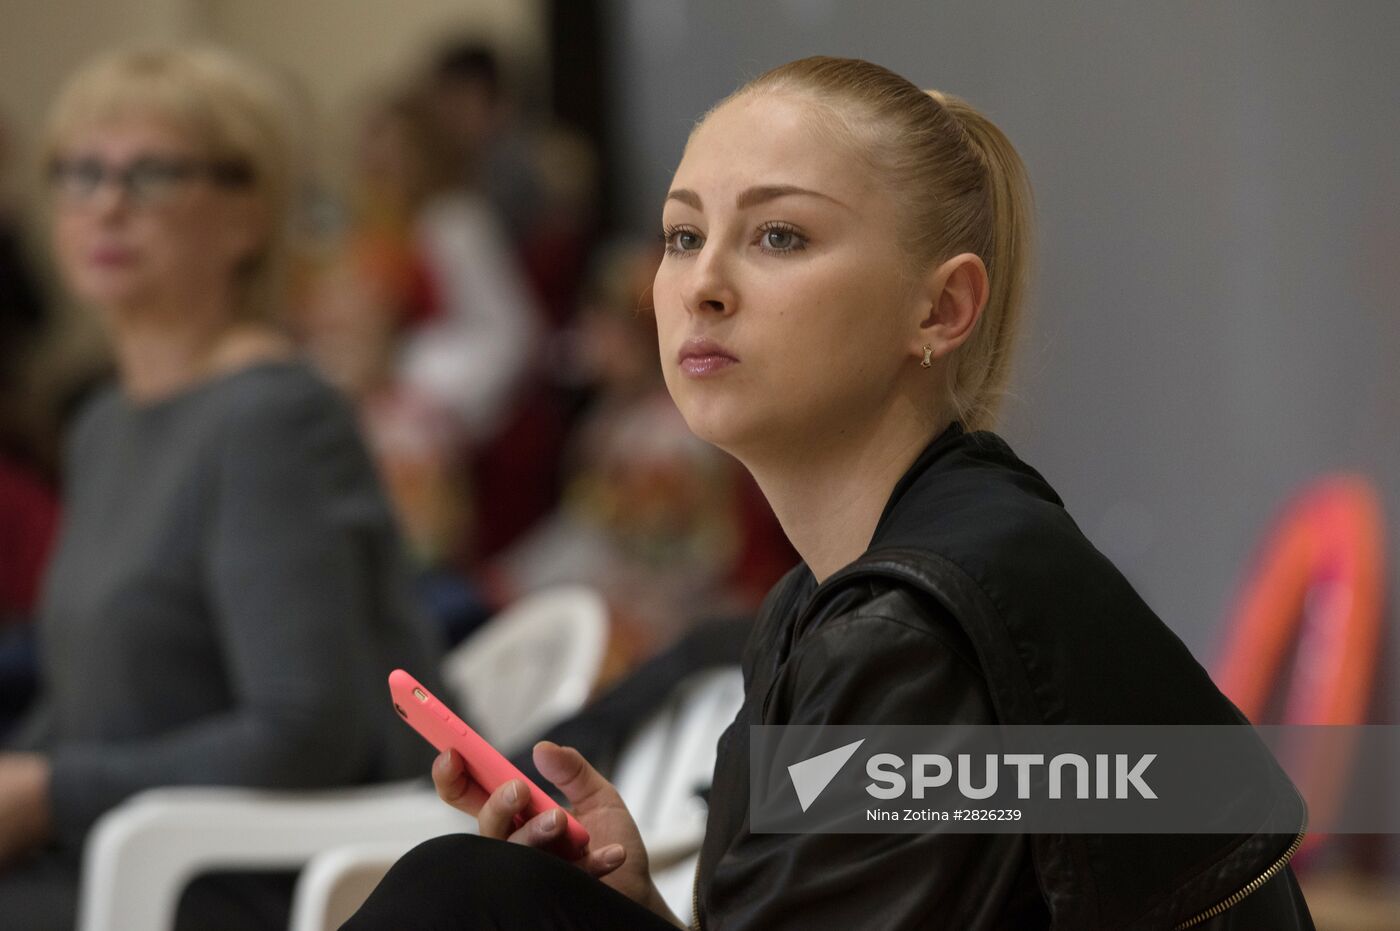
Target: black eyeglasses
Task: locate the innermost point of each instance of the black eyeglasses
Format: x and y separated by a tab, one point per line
147	180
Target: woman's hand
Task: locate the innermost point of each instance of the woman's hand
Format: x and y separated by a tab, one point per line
615	852
24	804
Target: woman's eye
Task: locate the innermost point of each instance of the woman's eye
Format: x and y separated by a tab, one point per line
678	241
150	180
781	239
778	239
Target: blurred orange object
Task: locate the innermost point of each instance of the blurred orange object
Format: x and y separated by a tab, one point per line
1318	581
1317	590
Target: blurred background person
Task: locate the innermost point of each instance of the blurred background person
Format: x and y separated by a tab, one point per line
459	327
421	319
492	151
228	590
473	322
540	177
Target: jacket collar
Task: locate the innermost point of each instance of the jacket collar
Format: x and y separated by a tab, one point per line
935	450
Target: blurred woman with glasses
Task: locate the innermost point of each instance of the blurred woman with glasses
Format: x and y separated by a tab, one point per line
228	590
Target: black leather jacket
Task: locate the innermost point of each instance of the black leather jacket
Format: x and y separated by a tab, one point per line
979	601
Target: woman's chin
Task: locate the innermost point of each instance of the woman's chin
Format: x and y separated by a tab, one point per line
105	290
114	299
719	425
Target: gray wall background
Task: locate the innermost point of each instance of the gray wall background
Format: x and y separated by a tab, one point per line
1218	190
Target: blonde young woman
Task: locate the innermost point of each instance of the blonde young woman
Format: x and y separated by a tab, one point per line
837	309
227	589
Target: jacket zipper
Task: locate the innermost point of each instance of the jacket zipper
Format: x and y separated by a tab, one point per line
1249	888
695	895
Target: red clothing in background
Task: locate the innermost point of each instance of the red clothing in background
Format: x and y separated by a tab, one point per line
28	522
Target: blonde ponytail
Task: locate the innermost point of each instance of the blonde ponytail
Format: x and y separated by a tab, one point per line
981	369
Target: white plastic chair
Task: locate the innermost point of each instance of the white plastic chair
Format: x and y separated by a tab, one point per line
665	762
672	756
531	666
664	766
143	853
527	668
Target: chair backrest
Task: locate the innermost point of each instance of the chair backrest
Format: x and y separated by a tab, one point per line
530	666
672	757
141	854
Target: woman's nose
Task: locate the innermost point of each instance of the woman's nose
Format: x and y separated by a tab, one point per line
710	289
109	200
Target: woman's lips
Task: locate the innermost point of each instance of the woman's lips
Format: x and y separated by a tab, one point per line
111	256
699	366
700	357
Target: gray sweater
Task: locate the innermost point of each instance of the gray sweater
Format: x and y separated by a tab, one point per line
226	600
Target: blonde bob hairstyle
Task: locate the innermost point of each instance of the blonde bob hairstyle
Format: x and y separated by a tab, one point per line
229	108
963	188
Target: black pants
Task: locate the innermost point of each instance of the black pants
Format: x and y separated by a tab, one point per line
462	882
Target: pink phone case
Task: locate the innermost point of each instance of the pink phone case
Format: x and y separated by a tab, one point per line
441	728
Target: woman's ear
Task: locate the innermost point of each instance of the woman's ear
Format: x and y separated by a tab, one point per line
955	294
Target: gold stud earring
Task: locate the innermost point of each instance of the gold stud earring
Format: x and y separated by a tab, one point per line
928	357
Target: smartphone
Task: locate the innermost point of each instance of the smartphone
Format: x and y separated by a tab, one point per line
485	764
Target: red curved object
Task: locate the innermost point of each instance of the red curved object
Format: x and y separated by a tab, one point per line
1318	582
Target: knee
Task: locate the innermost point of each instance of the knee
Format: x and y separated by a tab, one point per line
454	848
441	864
425	881
482	858
456	874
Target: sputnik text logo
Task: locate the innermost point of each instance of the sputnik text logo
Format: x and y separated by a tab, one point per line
811	776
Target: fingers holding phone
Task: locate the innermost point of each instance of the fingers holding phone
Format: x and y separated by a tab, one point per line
503	814
599	835
469	770
615	852
454	786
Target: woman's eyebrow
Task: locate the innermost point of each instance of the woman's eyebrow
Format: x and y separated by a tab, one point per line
754	195
767	192
687	197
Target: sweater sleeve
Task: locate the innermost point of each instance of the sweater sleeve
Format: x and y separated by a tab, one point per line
290	602
861	668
